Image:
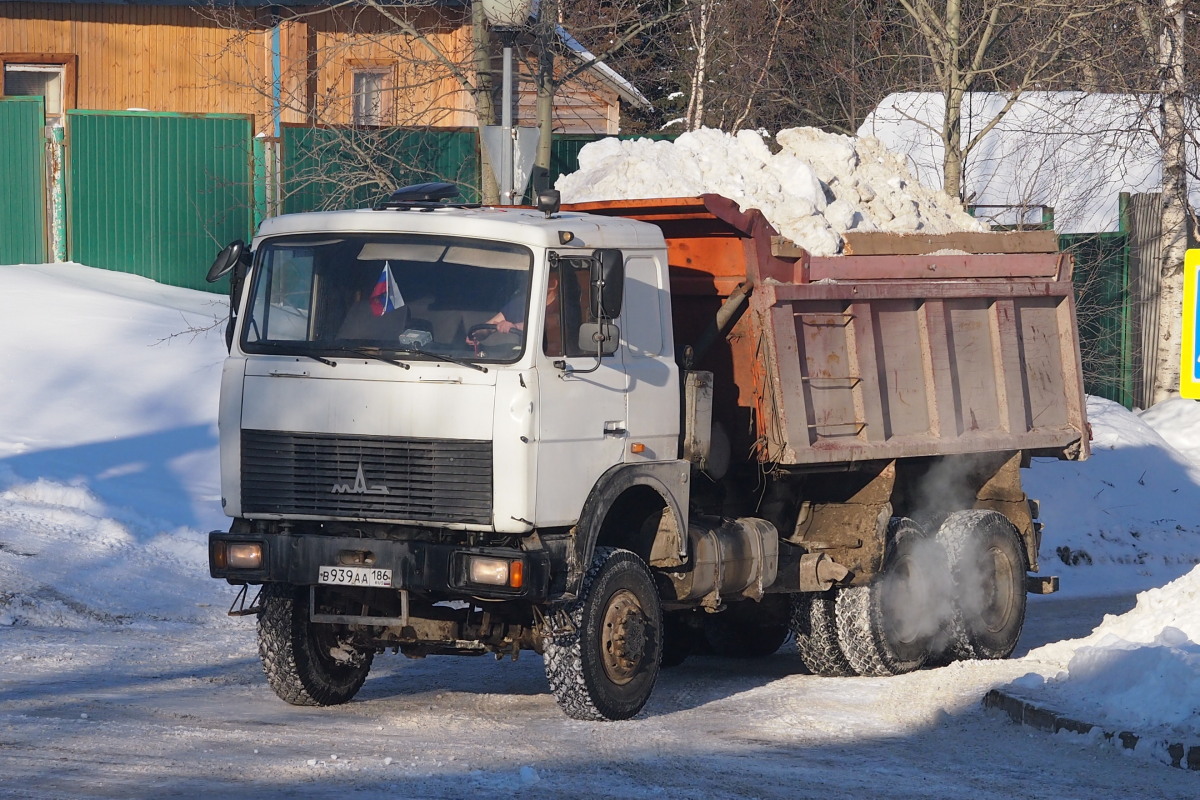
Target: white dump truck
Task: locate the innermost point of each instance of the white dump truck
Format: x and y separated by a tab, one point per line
623	432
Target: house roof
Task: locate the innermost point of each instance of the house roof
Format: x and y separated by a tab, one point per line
627	91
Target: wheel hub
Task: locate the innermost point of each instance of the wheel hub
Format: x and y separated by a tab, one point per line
997	590
623	639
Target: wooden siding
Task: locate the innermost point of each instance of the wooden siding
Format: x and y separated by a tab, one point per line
181	59
583	106
160	58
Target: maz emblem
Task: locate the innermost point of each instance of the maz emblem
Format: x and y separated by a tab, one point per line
360	485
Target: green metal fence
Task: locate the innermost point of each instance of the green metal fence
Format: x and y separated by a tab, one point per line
157	194
23	177
1104	313
326	168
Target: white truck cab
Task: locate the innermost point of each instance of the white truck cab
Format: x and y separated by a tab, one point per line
367	350
419	404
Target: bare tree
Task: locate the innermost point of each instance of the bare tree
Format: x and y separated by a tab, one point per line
1171	65
602	33
1008	46
355	71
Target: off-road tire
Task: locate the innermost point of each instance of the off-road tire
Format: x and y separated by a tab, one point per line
602	660
987	565
307	664
748	629
814	629
893	625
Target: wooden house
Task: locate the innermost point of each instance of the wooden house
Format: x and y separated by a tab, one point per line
379	64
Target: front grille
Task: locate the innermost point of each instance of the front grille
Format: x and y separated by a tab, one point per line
358	477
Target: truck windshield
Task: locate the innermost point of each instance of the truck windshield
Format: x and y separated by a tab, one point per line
445	296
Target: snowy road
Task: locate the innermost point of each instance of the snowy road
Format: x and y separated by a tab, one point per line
183	711
121	678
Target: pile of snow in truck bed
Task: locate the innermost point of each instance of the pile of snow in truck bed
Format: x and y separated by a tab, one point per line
815	188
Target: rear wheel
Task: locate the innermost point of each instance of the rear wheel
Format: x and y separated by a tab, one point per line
988	566
890	626
814	628
307	664
604	664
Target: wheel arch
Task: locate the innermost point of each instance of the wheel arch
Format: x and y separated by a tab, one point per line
637	507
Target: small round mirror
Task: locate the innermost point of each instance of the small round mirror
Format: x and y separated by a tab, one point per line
225	260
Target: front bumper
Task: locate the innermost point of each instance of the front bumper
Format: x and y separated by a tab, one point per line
439	569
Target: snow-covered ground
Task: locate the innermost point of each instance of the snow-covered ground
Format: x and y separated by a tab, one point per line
121	676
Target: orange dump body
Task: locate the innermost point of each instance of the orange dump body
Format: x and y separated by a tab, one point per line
910	345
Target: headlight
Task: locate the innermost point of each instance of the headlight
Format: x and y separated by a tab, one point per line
244	555
495	571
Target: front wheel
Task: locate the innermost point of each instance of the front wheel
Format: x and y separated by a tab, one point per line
987	563
604	662
307	664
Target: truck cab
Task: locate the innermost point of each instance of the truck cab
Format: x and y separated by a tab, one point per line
419	401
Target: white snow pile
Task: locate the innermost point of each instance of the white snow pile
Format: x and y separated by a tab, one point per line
108	458
815	188
1122	519
1139	671
1129	512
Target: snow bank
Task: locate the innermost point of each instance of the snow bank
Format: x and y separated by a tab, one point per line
108	449
815	188
1125	519
1139	671
68	562
1178	420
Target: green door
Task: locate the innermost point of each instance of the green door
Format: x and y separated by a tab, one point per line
23	176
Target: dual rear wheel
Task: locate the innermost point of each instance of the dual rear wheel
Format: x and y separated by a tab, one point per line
958	593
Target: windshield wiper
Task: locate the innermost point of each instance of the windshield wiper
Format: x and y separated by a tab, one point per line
325	361
441	357
369	353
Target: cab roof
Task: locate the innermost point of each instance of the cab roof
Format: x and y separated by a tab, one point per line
520	225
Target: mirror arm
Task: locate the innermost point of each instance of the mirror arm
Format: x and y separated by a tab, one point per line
566	368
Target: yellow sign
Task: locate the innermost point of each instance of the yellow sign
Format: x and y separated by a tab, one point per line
1189	370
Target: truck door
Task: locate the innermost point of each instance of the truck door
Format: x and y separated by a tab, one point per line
582	417
652	396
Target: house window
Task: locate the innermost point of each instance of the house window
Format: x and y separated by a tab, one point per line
49	77
373	89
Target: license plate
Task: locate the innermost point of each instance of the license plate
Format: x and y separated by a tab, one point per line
355	576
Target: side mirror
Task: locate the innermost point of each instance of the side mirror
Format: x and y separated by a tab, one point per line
601	336
226	260
608	282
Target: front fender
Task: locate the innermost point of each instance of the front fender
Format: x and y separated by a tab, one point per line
666	546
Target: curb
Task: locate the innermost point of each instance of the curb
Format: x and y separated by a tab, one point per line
1023	712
